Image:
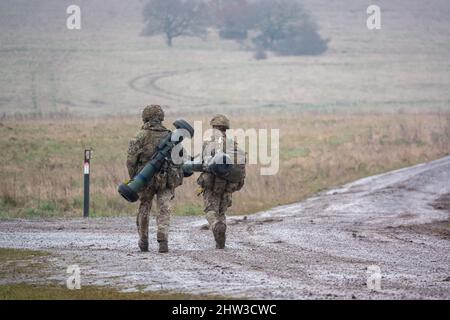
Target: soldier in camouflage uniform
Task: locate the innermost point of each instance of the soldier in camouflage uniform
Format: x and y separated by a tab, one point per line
217	191
162	185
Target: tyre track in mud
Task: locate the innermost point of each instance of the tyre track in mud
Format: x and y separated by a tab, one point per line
148	84
151	88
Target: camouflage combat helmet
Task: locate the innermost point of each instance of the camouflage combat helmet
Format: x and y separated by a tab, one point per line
152	112
220	121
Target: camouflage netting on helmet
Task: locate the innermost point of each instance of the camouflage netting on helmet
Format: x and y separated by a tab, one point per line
152	112
220	121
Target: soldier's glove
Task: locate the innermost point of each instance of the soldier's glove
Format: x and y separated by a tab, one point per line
200	190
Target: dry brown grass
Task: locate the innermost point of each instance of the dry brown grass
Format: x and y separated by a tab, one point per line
49	72
41	173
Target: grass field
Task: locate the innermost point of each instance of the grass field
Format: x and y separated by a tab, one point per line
375	101
42	159
107	68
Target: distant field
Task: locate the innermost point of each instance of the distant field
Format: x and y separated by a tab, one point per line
42	159
107	68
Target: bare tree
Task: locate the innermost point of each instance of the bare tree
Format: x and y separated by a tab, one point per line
174	18
231	17
284	27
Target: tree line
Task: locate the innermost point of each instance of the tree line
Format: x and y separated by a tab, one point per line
279	26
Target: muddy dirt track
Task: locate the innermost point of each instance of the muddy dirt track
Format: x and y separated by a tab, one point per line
319	248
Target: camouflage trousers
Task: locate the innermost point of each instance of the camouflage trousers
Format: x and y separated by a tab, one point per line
216	205
163	201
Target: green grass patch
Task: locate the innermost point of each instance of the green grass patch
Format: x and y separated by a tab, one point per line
46	209
23	291
189	209
338	140
6	203
17	263
8	254
296	152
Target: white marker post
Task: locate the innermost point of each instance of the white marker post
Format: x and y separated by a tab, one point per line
87	164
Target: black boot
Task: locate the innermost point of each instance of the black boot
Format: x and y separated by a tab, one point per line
143	245
163	246
219	234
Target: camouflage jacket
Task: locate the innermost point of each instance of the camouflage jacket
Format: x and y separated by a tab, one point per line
210	181
141	150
